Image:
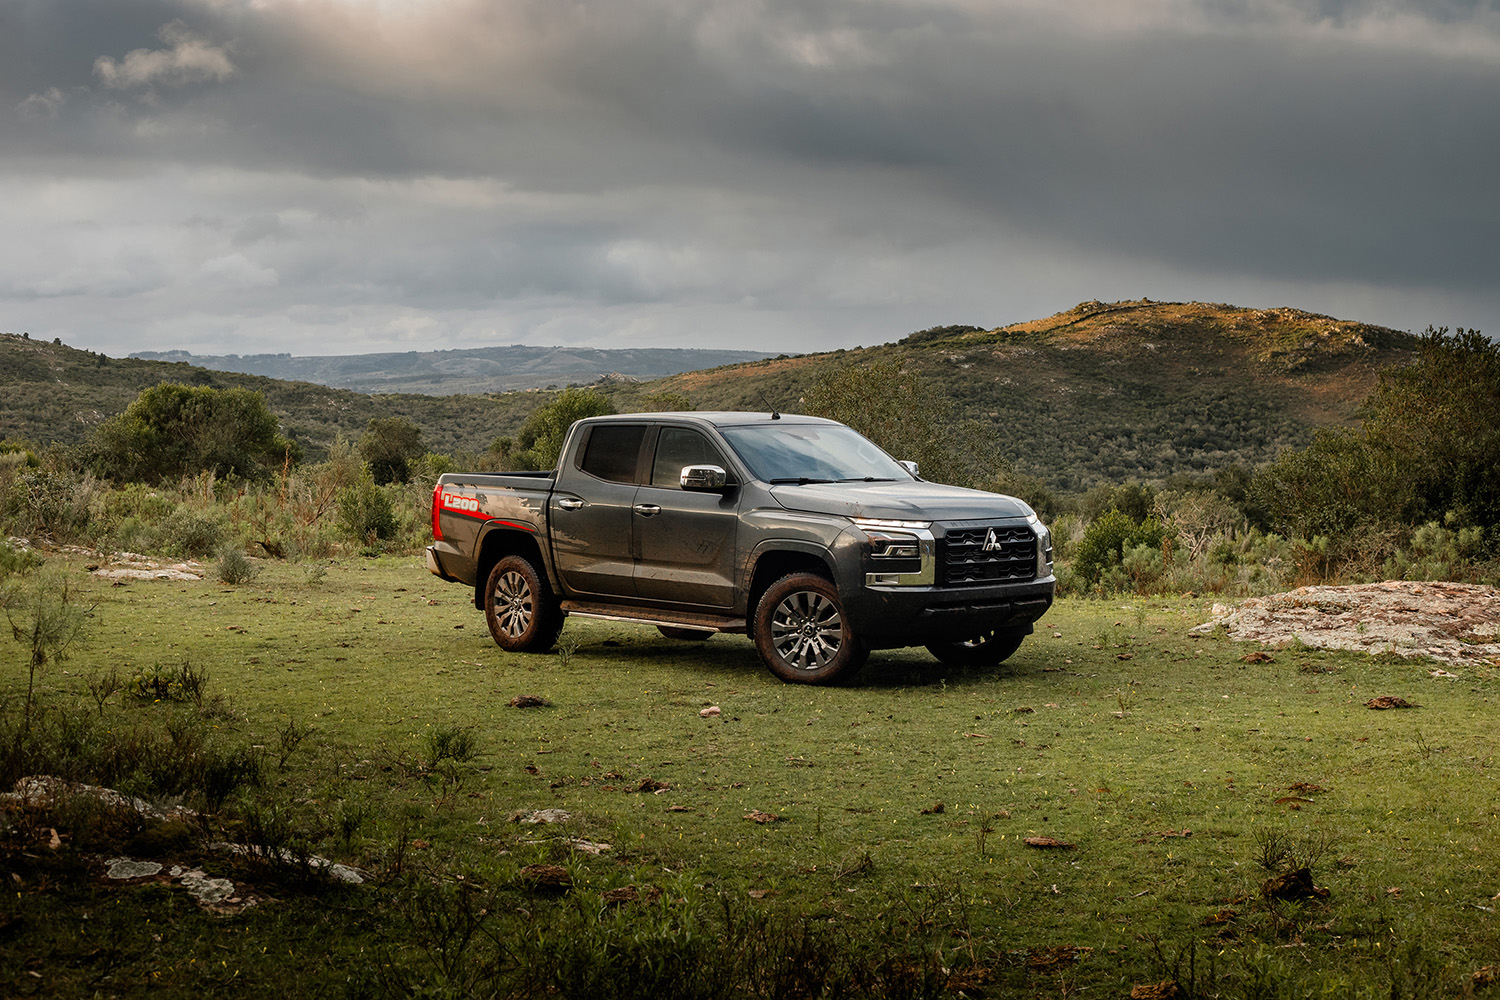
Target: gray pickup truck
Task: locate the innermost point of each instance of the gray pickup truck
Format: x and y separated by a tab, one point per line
795	530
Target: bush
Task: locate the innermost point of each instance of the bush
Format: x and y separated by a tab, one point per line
171	431
195	532
1107	541
49	504
234	567
366	513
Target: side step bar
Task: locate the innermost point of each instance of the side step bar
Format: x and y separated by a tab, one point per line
653	616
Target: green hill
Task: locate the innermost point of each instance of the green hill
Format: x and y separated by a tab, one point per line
1111	391
1102	392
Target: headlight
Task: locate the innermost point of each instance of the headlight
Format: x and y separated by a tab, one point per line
878	522
893	544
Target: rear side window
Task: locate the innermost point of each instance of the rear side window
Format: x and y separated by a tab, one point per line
612	451
677	448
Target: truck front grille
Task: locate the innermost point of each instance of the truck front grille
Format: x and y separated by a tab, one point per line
988	554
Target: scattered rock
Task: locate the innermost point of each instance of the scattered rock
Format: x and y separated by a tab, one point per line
1386	701
132	566
593	847
43	791
1047	842
1454	623
126	868
630	894
540	816
335	870
711	711
217	895
529	701
546	878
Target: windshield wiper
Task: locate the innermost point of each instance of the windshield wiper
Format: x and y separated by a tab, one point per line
796	481
867	479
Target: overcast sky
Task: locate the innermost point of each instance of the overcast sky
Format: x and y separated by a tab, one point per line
343	176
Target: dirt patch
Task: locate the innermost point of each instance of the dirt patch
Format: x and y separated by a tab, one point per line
1453	623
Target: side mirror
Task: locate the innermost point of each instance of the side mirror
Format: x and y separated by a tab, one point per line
909	467
704	478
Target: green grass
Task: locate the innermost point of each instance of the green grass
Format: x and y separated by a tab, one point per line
382	710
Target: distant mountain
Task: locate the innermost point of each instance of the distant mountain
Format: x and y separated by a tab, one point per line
1104	392
467	370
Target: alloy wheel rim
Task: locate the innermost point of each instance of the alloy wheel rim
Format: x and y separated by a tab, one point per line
807	630
513	603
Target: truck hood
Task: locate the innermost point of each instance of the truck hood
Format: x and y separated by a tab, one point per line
899	501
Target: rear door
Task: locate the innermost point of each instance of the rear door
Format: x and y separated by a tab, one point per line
685	540
590	512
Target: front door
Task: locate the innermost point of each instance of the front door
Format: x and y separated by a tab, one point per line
685	539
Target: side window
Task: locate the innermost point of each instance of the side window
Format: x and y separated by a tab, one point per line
612	450
677	447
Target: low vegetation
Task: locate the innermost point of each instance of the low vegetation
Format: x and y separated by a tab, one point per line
1124	804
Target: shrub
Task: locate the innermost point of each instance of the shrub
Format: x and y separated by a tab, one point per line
234	567
365	511
195	532
171	431
50	504
1104	546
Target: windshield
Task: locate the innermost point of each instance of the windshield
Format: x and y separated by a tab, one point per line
803	453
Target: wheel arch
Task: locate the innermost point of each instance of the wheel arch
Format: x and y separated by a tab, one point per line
773	564
496	544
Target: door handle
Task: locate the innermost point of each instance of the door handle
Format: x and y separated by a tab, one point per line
570	503
647	509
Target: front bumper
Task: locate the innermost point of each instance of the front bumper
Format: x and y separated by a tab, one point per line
914	616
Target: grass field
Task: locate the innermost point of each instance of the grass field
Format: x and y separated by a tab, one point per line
891	858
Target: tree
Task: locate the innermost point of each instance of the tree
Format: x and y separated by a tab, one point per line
894	408
175	430
1427	450
1439	421
540	439
389	445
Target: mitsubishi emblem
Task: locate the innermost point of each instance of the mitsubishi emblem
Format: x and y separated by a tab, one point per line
991	543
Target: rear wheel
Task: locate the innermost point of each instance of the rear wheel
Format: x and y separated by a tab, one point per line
802	633
984	650
519	607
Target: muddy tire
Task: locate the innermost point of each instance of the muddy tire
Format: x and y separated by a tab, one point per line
519	607
802	634
983	650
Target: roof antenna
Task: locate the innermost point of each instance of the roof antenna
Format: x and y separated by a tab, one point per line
769	405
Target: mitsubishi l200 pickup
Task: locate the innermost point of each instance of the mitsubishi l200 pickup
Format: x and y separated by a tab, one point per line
794	530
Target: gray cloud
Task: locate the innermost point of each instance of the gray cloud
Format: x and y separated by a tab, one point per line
342	175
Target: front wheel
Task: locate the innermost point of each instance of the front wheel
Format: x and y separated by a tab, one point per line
984	650
802	634
519	607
